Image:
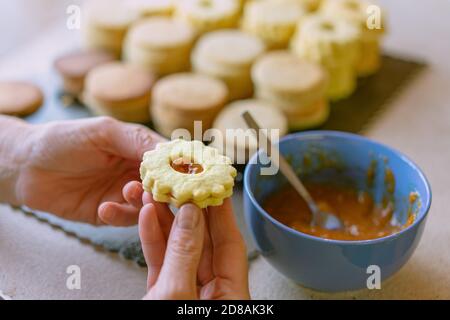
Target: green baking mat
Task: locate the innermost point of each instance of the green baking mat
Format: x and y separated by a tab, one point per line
353	115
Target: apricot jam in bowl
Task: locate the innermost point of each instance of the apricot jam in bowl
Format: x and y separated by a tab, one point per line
380	195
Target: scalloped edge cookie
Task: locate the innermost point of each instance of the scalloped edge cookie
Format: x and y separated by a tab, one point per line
207	188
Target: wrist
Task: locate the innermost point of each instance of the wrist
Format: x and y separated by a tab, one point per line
14	146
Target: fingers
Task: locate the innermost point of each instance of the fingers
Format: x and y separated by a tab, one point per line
129	141
178	276
132	193
228	245
165	215
153	242
205	271
117	214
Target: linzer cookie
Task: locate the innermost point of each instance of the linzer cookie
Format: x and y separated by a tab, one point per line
180	171
358	12
208	15
119	90
19	98
333	43
180	99
228	56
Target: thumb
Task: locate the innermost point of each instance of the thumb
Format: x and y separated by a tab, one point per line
129	141
178	276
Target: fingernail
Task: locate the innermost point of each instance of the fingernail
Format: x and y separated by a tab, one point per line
188	216
106	214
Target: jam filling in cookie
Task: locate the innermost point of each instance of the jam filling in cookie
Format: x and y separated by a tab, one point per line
181	171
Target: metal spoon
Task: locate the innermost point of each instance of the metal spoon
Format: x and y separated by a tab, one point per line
320	218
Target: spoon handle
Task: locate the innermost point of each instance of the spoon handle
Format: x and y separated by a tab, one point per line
281	163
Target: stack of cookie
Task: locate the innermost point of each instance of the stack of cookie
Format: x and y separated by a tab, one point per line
73	68
310	5
208	15
294	85
180	99
274	21
151	8
333	43
228	55
106	23
237	142
119	90
159	45
358	12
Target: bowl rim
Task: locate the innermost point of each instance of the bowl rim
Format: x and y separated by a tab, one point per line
351	136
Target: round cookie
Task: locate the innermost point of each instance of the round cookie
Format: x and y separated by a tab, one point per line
161	45
180	99
237	141
287	81
208	15
73	67
106	23
180	171
274	21
228	56
151	8
315	117
19	98
119	90
333	43
359	12
310	5
327	40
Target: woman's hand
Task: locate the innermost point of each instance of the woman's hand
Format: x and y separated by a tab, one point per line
196	255
75	169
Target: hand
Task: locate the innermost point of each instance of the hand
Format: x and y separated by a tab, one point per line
76	169
196	255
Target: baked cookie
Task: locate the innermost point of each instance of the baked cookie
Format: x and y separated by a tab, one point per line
151	8
105	23
19	98
359	12
238	143
273	21
73	68
289	82
119	90
180	171
180	99
292	84
313	118
208	15
228	56
160	45
333	43
310	5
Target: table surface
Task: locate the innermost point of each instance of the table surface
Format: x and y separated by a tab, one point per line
34	256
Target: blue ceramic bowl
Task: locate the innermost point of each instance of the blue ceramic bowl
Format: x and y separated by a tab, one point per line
333	265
